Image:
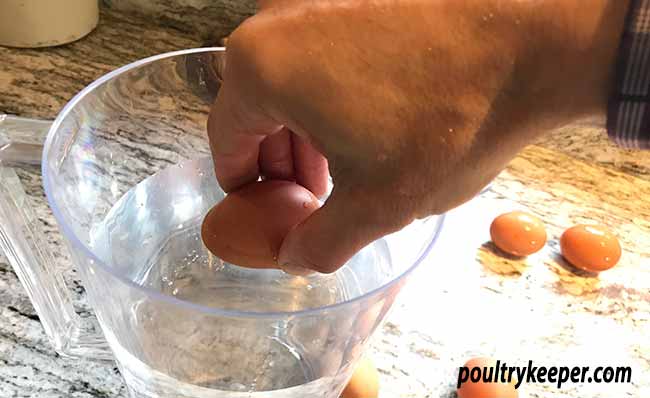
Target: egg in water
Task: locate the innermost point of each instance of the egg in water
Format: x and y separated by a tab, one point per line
248	226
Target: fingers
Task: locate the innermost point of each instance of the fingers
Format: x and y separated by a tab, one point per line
287	156
332	235
247	143
310	166
276	156
235	131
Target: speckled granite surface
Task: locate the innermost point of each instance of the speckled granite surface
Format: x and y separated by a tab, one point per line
209	18
464	301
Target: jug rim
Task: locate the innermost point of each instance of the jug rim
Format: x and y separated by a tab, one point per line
70	235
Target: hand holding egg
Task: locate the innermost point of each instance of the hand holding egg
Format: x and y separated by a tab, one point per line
247	228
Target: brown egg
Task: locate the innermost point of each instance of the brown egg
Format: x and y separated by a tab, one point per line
590	247
248	226
481	389
518	233
364	382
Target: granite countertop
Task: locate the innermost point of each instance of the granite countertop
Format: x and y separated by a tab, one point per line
464	301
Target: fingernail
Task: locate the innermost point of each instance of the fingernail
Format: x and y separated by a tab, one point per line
297	271
285	261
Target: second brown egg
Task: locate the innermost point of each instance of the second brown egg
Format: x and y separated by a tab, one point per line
590	247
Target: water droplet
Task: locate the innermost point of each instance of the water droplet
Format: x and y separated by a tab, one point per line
451	130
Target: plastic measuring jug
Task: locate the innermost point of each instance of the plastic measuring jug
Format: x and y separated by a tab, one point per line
128	176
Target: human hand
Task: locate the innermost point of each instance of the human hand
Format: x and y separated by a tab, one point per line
415	104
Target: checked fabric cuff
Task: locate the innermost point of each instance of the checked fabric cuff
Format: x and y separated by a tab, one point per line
628	118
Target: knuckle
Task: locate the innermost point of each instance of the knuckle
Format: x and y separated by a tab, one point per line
252	54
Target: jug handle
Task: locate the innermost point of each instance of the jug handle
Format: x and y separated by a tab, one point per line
22	241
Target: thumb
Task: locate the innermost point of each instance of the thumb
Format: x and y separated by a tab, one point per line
331	235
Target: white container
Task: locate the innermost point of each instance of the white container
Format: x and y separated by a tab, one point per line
44	23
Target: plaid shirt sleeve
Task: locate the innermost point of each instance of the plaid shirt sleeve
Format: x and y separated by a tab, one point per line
628	118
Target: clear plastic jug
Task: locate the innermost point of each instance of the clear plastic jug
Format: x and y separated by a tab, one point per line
128	176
